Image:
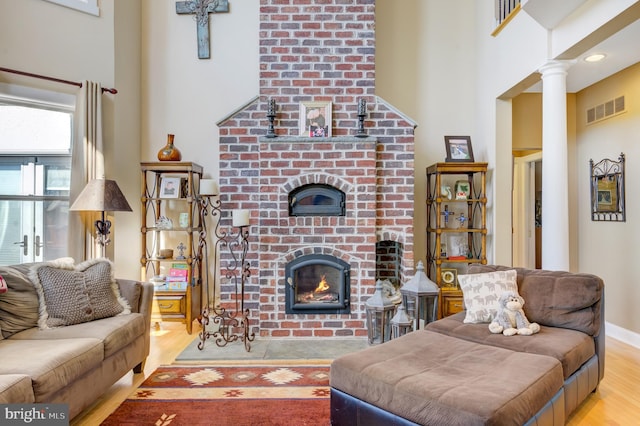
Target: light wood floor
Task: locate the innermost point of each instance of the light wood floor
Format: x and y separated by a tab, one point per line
616	402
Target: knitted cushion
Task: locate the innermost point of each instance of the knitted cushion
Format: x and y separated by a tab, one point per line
69	295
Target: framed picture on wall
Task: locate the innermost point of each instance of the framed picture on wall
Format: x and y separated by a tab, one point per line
315	119
458	148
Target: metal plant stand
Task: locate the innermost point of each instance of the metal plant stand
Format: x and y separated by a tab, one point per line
227	325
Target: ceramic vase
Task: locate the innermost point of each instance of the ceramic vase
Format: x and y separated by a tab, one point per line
169	152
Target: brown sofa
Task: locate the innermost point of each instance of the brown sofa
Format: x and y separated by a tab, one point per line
74	364
460	373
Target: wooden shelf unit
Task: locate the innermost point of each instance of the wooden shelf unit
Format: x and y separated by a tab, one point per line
439	232
172	303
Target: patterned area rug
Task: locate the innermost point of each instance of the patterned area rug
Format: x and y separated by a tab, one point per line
229	395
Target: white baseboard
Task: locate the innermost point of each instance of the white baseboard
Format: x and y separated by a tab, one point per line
622	334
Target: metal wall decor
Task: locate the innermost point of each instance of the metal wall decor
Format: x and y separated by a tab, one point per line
607	190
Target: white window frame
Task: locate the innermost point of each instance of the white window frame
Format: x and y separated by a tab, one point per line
45	99
87	6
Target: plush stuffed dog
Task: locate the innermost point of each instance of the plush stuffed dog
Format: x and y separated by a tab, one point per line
511	319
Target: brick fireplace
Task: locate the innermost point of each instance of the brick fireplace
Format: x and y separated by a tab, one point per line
319	50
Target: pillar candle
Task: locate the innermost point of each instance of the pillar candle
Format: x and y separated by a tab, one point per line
209	187
240	218
362	107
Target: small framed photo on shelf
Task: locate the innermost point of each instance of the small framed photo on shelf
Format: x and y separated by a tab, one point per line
170	187
315	119
458	149
449	277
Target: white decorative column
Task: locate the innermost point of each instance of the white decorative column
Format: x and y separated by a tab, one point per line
555	179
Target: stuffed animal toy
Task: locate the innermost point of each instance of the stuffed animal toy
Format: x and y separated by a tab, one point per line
511	319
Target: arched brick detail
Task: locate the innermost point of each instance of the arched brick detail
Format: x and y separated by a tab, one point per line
319	177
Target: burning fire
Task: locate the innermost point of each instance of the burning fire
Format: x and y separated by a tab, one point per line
322	286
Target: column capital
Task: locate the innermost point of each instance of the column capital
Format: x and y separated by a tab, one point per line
555	67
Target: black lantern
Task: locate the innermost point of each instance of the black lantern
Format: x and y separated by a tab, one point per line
420	298
380	310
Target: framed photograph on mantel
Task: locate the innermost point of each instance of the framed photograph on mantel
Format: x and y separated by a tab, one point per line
315	119
458	149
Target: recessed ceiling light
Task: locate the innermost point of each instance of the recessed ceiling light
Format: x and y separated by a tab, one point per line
596	57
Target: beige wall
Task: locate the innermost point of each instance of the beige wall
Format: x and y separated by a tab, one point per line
527	122
610	249
431	79
187	96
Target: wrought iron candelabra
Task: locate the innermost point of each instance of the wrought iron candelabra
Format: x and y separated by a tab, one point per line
225	325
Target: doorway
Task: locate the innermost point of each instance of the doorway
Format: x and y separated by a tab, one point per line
34	205
527	211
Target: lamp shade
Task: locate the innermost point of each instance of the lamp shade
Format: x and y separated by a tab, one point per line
101	195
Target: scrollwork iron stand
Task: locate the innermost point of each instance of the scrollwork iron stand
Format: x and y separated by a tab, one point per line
226	325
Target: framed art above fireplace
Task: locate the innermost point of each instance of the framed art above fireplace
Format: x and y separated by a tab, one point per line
315	119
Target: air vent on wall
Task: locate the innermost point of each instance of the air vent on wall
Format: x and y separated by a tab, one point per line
606	110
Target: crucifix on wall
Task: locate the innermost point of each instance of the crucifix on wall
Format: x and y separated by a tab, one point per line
202	9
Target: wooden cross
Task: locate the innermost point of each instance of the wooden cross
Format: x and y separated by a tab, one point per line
202	9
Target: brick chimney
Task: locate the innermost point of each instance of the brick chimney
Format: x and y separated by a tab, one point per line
319	51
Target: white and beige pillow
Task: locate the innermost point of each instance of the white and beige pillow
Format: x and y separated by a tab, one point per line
72	295
482	291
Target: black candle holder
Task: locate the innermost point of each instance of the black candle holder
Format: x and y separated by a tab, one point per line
362	113
271	115
227	325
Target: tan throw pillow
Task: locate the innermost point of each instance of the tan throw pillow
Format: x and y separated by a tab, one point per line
482	291
19	305
69	295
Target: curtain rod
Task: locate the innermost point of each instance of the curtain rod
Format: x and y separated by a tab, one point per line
57	80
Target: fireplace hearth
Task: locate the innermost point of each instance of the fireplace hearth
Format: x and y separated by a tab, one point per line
317	284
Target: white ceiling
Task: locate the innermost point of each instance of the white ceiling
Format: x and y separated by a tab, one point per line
622	51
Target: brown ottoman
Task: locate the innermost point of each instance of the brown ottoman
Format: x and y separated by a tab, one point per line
433	379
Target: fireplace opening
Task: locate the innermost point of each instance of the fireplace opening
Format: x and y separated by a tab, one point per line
316	200
317	284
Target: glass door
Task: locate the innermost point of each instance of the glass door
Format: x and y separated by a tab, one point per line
34	208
